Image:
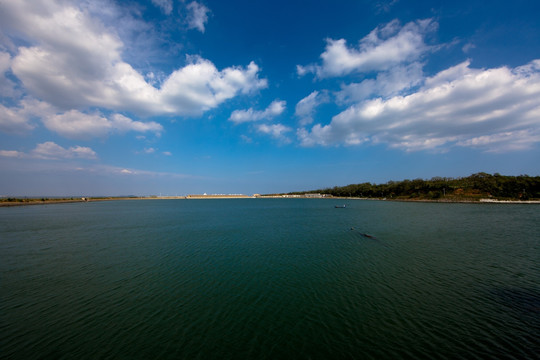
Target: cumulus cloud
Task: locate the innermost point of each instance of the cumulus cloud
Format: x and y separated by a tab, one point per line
386	46
197	17
74	124
505	141
18	119
52	151
277	131
123	124
276	108
199	86
14	120
490	109
387	83
71	124
305	109
73	61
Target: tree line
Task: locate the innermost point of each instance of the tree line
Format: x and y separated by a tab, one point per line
473	187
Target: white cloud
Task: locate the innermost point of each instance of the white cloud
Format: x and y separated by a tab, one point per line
197	17
13	120
199	86
11	153
388	83
73	61
71	124
17	119
122	124
491	109
305	109
165	5
505	141
383	48
152	150
276	108
74	124
143	42
277	131
52	151
468	47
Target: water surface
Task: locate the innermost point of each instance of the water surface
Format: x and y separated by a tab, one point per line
269	278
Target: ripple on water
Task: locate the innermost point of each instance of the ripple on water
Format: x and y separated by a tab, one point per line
269	279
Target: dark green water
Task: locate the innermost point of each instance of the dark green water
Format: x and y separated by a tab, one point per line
269	279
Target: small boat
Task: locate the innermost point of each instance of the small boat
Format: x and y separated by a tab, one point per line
340	206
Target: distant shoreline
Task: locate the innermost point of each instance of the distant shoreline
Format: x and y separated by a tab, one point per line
25	202
465	201
36	201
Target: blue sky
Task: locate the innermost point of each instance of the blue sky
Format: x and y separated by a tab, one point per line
173	97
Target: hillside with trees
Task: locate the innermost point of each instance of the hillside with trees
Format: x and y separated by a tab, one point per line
475	187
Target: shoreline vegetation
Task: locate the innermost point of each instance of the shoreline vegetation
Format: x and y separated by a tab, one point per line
479	187
476	188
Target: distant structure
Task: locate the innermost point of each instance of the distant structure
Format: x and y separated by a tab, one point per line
218	196
311	196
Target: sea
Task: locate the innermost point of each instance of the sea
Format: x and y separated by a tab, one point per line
270	279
